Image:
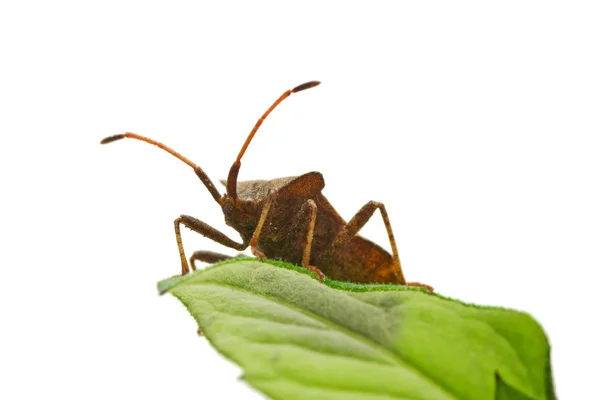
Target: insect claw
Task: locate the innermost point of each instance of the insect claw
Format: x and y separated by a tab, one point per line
257	253
421	285
317	271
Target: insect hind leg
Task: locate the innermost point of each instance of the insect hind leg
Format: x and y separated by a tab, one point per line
359	220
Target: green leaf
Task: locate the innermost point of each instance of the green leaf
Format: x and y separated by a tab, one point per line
298	338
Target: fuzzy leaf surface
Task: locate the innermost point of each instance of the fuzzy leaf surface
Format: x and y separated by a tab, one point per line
298	338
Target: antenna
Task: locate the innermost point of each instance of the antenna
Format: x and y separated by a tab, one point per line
201	174
235	168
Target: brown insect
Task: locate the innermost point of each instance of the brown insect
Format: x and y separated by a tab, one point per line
290	219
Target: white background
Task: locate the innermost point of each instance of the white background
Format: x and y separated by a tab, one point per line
476	125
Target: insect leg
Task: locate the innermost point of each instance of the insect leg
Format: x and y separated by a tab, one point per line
263	217
208	257
311	207
204	229
308	206
300	236
358	221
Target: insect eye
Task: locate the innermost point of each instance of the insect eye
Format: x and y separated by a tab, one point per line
228	208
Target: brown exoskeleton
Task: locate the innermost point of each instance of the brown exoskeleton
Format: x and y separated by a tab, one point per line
289	219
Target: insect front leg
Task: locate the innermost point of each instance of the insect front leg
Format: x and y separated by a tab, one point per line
357	222
205	230
208	257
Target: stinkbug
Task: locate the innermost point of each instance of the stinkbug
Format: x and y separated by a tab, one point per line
289	219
